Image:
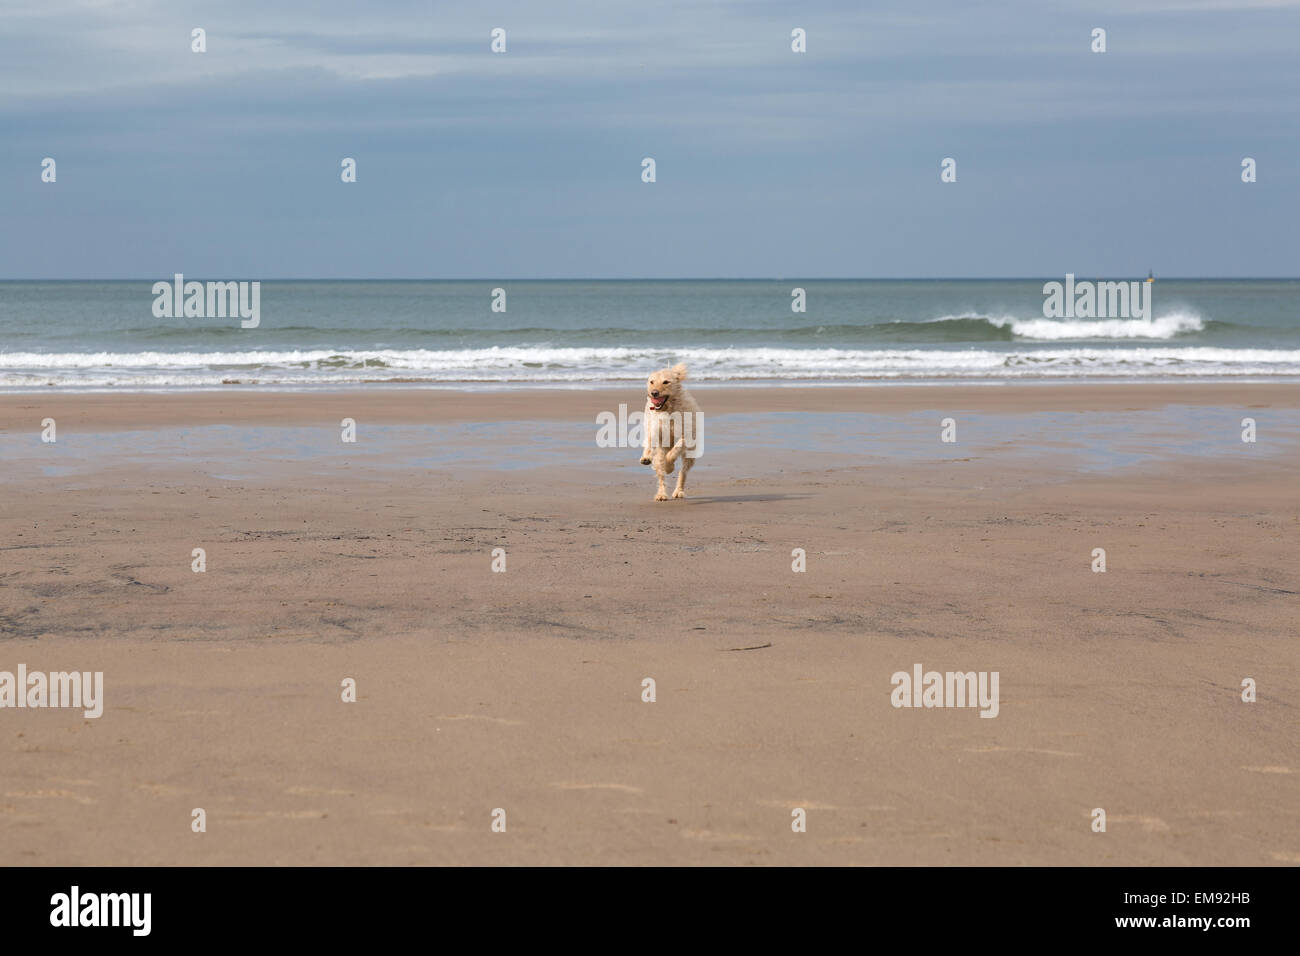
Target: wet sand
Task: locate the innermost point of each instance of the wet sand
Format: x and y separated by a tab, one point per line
523	690
249	406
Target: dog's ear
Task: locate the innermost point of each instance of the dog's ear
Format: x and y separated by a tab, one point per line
680	371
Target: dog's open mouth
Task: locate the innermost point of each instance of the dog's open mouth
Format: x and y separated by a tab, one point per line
658	402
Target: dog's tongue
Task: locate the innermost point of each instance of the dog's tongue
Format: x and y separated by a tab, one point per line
658	402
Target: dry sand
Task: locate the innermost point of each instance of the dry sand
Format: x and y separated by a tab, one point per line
523	690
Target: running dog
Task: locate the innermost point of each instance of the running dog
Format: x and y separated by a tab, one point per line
672	427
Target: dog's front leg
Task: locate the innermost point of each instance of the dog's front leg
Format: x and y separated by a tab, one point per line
680	490
647	424
674	452
662	469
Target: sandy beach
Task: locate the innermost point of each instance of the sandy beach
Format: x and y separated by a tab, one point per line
522	690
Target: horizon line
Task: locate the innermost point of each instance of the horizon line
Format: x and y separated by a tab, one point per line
655	279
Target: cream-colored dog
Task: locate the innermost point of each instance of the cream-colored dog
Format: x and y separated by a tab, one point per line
672	427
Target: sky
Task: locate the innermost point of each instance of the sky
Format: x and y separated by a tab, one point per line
528	163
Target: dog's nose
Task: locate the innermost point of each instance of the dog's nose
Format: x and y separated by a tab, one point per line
654	394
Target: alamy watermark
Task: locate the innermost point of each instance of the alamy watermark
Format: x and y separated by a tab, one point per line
83	689
76	908
923	688
1096	300
208	300
626	429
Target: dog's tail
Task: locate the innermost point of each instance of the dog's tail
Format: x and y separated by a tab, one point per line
680	371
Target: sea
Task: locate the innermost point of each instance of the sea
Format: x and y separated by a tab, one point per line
106	335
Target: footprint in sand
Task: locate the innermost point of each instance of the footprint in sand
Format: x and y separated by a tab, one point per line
161	789
1149	824
50	793
266	815
623	787
1022	750
713	836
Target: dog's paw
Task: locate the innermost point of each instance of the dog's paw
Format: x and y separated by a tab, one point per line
645	460
679	493
661	497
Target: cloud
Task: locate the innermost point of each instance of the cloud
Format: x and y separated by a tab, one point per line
764	154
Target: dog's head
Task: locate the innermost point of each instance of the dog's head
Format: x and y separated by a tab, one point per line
663	386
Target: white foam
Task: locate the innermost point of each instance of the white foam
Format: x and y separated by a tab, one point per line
1055	330
1159	327
576	365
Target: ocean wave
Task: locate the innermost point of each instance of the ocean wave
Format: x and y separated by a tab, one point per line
1011	327
1160	327
969	327
561	365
